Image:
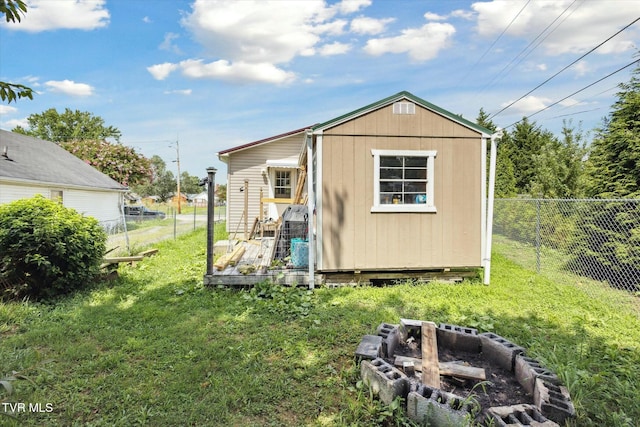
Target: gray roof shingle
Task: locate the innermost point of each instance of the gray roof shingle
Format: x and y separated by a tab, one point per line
34	160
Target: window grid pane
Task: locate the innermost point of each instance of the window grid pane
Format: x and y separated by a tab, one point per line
403	180
282	186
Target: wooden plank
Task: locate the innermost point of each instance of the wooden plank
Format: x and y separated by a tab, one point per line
450	369
274	200
149	252
430	365
124	259
236	255
453	369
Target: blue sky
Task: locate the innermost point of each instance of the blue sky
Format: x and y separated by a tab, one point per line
216	74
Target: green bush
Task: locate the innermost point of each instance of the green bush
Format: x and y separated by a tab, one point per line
47	249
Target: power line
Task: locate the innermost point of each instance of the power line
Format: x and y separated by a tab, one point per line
496	40
522	52
556	74
576	92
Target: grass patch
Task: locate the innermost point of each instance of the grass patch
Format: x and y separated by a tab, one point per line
157	348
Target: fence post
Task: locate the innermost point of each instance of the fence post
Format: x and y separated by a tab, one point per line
538	236
175	224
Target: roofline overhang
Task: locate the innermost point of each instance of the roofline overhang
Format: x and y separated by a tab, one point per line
224	154
20	181
319	128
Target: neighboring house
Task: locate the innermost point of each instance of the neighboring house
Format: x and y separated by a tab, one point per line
270	165
30	166
400	185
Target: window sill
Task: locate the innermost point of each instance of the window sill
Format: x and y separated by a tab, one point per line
403	208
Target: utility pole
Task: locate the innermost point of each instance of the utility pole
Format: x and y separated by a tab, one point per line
178	164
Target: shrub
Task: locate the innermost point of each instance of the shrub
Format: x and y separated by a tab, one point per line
47	249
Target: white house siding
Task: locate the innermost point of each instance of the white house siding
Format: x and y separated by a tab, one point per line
102	205
248	164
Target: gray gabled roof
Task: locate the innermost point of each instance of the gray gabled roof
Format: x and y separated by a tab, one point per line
32	160
398	97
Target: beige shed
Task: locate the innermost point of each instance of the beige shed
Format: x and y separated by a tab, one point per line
398	185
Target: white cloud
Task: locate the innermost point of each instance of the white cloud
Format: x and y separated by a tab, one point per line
69	87
463	14
162	71
541	67
366	25
351	6
5	109
236	72
185	92
11	124
429	16
167	43
581	68
571	102
147	20
43	15
529	104
587	23
421	44
335	48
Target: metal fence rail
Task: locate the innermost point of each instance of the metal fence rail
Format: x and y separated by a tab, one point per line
596	239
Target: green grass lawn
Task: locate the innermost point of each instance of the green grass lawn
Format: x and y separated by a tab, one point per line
155	347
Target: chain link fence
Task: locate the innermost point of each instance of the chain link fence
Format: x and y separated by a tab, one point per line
128	236
584	241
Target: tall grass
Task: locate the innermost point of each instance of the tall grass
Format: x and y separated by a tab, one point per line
156	348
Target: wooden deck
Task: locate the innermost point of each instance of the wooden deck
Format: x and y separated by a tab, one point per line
254	267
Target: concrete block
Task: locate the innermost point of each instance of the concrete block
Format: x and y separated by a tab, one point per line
410	328
458	338
553	401
434	407
384	379
500	350
390	339
370	348
518	415
528	369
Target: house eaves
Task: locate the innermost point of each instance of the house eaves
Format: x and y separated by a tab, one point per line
404	95
224	154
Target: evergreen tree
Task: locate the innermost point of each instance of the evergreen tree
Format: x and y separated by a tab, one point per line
614	161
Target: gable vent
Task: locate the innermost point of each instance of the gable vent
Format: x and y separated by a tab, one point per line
404	108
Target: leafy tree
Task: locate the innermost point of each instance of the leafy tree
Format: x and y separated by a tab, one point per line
69	126
505	178
12	9
189	184
162	183
120	162
522	145
614	161
221	192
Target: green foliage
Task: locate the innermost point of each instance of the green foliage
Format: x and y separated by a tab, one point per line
162	182
12	9
47	249
118	161
287	301
68	126
614	161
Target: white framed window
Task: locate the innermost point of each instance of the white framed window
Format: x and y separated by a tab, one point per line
282	184
56	195
403	181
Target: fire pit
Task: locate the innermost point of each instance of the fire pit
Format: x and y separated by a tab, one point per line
450	375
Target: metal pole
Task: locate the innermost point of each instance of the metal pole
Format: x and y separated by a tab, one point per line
211	181
538	244
246	209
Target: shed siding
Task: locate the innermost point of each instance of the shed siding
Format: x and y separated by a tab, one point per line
248	164
353	238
